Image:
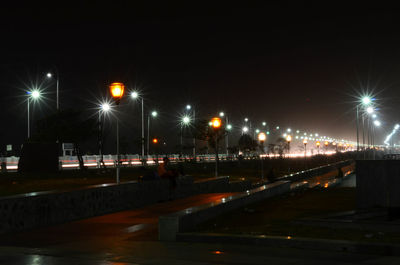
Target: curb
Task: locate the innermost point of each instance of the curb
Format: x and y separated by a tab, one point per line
294	242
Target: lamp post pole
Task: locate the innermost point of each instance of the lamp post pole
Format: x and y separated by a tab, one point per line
142	129
29	122
216	124
262	137
117	91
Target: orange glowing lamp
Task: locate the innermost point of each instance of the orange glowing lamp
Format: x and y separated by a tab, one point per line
318	143
155	141
289	138
117	91
326	143
262	137
216	123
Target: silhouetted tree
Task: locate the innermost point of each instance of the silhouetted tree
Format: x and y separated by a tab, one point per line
247	143
67	126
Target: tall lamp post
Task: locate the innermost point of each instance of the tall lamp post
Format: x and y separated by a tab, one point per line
135	95
185	121
223	115
216	125
326	143
305	147
262	137
117	91
34	94
154	115
318	144
188	108
50	75
104	108
288	139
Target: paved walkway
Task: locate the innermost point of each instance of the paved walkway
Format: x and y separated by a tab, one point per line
130	237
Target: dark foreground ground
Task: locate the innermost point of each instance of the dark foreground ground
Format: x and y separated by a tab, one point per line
130	237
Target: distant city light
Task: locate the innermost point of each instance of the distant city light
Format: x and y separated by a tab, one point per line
264	123
221	114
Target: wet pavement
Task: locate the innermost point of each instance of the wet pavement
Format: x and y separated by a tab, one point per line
130	237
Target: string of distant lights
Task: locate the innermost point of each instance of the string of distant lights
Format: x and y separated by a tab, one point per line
389	137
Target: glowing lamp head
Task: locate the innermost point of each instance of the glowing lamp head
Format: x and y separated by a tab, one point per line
155	141
289	138
35	94
117	90
262	137
370	110
105	107
305	141
229	127
257	130
221	114
246	119
366	100
154	114
186	120
245	129
134	94
326	143
377	123
264	123
318	143
216	123
49	75
188	107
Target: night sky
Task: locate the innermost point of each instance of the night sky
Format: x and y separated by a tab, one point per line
292	66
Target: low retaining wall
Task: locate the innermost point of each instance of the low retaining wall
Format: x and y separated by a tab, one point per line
313	172
186	220
38	209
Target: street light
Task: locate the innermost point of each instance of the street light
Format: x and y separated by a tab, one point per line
366	100
135	95
50	75
223	115
117	91
262	137
245	129
185	121
153	115
188	108
289	139
104	108
305	147
216	125
35	95
318	143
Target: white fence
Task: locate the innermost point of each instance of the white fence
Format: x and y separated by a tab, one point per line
93	161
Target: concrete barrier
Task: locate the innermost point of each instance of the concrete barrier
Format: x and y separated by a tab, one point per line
38	209
309	173
186	220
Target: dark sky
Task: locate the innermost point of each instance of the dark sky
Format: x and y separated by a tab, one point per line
292	66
